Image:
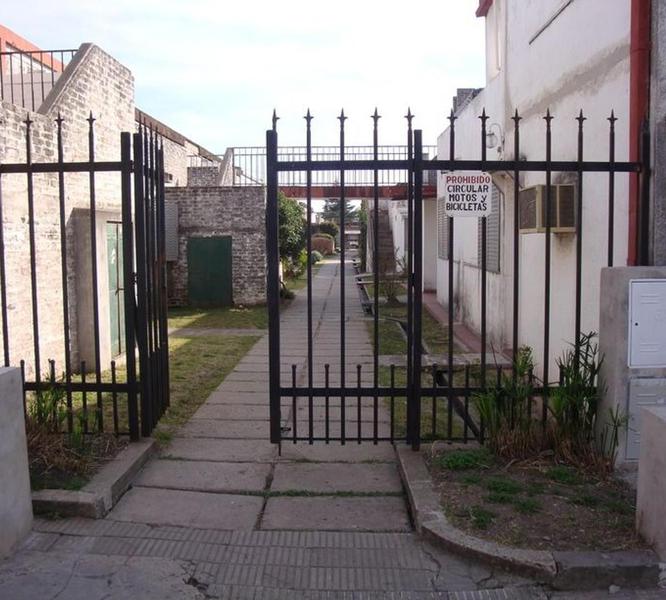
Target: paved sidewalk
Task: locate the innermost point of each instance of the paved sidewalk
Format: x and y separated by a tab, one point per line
220	515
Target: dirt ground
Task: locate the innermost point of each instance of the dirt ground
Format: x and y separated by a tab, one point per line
535	504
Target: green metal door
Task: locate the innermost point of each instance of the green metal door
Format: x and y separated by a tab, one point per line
209	271
114	245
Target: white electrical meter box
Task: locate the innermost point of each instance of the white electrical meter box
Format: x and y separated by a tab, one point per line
647	323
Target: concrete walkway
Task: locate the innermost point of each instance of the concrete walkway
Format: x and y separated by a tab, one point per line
220	515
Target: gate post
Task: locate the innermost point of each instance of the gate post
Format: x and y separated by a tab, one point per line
273	284
414	402
128	283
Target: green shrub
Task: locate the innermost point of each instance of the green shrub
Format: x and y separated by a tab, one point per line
505	410
316	256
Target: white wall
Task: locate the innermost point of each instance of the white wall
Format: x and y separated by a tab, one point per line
573	64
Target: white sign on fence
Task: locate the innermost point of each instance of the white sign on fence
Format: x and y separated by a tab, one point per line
467	194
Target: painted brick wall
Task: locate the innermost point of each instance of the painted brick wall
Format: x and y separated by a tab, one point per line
216	211
95	82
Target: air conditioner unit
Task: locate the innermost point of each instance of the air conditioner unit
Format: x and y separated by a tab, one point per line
532	201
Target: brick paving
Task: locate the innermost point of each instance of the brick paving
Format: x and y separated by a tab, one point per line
220	515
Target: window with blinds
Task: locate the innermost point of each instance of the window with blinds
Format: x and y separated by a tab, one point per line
492	233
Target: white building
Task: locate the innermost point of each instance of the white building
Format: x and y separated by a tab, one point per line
562	56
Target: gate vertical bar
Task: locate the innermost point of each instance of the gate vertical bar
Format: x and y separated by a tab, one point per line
516	236
94	276
343	203
128	283
410	275
33	250
150	265
546	316
64	276
308	192
611	186
415	400
164	328
375	254
452	158
579	236
142	291
273	283
484	258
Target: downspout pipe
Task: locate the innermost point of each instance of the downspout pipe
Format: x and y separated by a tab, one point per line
639	107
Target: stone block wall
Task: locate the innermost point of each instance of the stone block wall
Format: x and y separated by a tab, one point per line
219	211
92	82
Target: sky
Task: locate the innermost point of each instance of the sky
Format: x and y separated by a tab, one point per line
214	70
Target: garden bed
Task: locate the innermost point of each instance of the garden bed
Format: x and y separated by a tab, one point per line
535	504
57	463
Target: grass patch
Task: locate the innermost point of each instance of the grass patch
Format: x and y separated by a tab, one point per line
563	475
618	506
589	500
499	498
459	460
472	480
535	488
228	317
392	340
480	517
503	486
527	506
433	426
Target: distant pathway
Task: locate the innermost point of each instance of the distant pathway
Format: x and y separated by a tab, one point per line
220	515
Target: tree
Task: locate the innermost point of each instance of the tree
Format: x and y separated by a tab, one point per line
292	228
328	227
331	211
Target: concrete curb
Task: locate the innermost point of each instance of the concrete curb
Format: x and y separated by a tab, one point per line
562	570
103	491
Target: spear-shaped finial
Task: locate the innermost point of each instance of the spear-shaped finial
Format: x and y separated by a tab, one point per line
548	118
516	117
342	117
91	119
483	116
452	117
612	118
308	117
375	116
580	118
275	120
59	120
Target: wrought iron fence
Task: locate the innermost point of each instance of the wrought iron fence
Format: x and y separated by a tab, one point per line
26	77
128	395
424	400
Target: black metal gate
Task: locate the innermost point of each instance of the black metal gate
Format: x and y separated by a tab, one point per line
129	398
437	399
